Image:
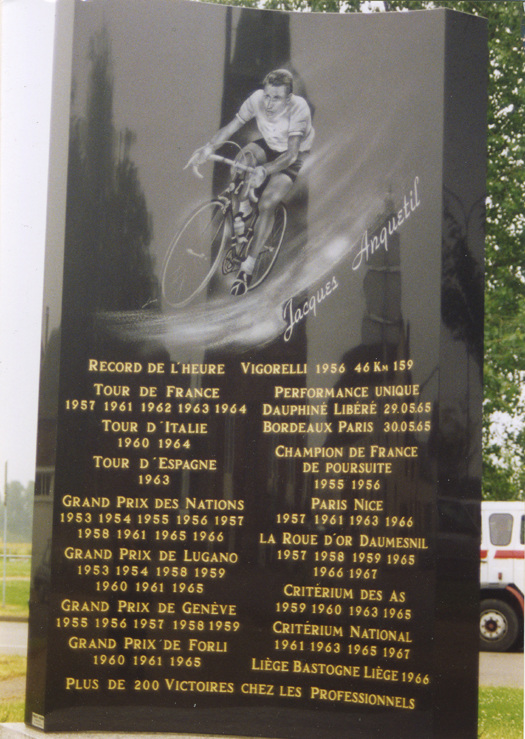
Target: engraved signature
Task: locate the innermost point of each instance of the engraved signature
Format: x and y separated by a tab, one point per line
293	316
378	240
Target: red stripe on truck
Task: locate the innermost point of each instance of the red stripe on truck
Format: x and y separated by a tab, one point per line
510	554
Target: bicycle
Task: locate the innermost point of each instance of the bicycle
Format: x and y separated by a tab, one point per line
205	251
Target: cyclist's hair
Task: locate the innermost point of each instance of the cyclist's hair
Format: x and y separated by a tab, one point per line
278	78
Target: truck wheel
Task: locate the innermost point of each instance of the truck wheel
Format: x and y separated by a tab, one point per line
498	626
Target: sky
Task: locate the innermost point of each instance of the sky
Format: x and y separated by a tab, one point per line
27	54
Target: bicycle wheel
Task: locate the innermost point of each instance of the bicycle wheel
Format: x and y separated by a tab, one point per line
195	253
269	252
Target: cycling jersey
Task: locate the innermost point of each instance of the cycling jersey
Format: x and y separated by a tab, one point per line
294	120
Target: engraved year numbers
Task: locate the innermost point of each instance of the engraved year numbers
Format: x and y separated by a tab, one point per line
111	623
147	660
122	406
73	622
93	570
210	572
184	587
332	519
80	405
366	484
360	520
292	645
288	518
358	573
367	650
127	442
185	661
369	558
401	559
93	533
364	611
223	408
331	483
399	613
290	607
194	408
395	653
173	444
78	517
153	518
416	677
152	407
400	521
292	555
154	479
328	647
228	520
172	571
170	535
191	520
148	623
330	556
335	572
109	660
114	518
331	368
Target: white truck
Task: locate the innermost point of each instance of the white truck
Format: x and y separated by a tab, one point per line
502	574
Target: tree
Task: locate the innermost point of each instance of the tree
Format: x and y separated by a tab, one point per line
108	263
19	512
504	376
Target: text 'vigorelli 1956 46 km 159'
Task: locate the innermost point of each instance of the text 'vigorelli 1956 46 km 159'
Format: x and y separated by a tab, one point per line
259	465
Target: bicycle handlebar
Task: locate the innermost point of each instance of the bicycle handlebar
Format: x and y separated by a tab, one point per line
231	162
224	160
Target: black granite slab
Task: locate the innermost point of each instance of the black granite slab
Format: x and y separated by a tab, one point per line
259	515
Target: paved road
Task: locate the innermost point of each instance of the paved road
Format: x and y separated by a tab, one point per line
501	670
496	670
13	637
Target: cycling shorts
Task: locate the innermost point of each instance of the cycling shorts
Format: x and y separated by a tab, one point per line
293	170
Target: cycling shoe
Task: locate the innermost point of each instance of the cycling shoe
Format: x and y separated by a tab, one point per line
241	283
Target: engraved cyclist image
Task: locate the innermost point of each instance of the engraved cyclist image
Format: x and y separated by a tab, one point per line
241	231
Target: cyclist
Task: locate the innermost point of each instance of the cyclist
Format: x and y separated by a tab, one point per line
285	124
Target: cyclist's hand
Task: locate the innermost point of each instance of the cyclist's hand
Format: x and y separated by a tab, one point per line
198	157
257	177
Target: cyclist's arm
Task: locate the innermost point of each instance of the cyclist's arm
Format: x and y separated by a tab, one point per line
287	157
201	154
225	133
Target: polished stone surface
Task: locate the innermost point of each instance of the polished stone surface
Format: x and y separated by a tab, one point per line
374	307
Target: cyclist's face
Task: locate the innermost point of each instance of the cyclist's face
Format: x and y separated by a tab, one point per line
275	100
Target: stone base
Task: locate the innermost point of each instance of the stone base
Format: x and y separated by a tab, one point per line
21	731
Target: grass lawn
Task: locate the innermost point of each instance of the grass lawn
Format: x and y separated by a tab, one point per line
500	713
12	665
11	709
15	567
16	598
16	587
11	712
